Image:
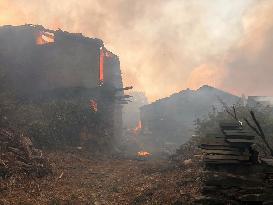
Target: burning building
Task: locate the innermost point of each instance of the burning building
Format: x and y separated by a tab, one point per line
60	84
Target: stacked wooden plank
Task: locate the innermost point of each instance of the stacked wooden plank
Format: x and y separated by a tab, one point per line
231	146
231	176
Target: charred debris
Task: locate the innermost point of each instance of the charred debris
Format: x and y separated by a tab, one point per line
19	157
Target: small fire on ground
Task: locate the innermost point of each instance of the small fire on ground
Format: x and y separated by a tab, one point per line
143	154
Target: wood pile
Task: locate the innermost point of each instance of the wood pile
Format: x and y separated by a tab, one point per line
233	174
18	156
231	147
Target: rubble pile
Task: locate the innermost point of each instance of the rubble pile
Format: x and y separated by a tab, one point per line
19	157
233	174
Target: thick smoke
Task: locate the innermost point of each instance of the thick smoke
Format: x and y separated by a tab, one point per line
247	66
250	64
166	46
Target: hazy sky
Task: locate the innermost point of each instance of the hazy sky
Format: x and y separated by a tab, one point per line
168	45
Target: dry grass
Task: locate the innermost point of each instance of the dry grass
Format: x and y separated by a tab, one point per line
83	179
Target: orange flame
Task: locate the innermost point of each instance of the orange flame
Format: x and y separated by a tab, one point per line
45	38
138	128
101	74
143	154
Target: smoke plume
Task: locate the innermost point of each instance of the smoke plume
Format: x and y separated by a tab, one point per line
166	46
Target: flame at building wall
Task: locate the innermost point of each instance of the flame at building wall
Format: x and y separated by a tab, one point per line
104	54
101	73
138	128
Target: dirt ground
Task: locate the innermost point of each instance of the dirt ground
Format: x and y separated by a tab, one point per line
79	178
